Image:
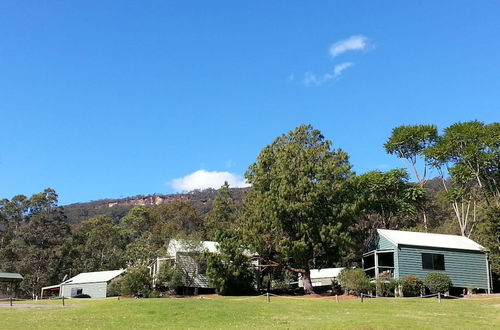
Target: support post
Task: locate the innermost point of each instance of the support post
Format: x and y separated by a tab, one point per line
10	301
63	300
488	274
375	257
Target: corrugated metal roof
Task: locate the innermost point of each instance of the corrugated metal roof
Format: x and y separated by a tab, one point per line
11	276
325	272
175	246
399	237
94	277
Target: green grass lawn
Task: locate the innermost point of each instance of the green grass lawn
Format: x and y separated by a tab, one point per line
256	313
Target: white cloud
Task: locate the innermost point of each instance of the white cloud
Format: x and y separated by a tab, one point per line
312	79
202	179
352	43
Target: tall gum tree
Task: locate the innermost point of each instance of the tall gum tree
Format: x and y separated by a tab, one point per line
409	143
297	214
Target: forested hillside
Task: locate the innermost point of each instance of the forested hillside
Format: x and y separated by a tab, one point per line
117	208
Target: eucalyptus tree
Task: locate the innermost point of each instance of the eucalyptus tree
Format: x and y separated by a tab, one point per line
301	203
470	153
33	233
409	143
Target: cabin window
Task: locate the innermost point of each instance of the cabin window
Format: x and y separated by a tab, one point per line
433	261
76	291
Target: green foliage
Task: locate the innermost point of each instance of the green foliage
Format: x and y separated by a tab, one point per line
98	244
393	286
115	287
33	233
384	286
437	282
387	198
223	216
301	203
136	282
411	285
409	142
169	277
488	235
229	271
354	281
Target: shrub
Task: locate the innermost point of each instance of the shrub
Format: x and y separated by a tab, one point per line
411	285
393	286
169	277
383	286
115	287
437	282
230	270
136	282
354	281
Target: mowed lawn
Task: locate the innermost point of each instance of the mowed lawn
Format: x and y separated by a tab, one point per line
256	313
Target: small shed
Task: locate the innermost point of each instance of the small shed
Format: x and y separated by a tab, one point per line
9	284
396	254
94	284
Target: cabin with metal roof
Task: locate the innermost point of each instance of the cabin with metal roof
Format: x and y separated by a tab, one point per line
94	284
396	254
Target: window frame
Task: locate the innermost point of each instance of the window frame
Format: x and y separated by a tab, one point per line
435	261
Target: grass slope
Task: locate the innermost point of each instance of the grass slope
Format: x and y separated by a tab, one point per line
256	313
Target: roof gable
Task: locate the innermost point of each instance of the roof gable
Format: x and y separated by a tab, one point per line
400	237
94	277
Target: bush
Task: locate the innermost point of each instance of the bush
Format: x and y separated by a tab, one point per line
169	277
437	282
393	287
411	285
115	287
136	282
383	286
354	281
230	270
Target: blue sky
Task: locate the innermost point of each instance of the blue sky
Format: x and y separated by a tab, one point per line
107	99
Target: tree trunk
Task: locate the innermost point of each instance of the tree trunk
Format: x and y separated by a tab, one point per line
306	280
425	220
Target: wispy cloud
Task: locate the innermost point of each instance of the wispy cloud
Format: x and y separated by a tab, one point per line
202	179
358	42
312	79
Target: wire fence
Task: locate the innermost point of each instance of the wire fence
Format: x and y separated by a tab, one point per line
439	296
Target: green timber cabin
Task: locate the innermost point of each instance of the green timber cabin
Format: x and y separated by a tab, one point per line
396	254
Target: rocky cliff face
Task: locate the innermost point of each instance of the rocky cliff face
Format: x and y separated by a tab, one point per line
117	208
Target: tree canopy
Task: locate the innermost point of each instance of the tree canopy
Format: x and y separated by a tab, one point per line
300	205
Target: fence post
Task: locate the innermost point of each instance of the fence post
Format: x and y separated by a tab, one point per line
268	298
361	297
10	301
337	298
63	300
439	296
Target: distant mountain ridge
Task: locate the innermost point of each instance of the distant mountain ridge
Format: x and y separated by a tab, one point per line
119	207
